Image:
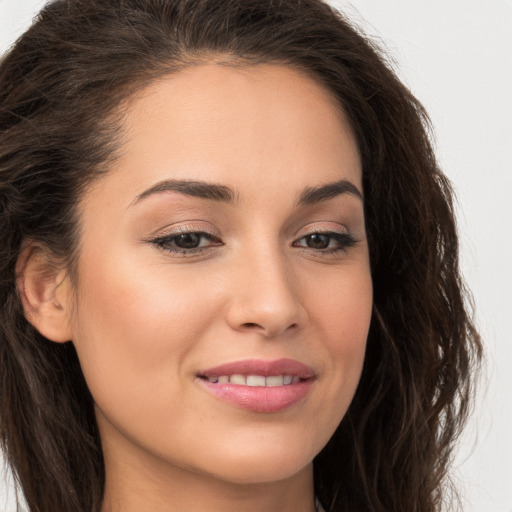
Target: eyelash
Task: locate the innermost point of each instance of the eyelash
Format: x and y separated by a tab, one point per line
344	241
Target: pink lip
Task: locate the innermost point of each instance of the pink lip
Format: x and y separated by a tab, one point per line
256	398
261	367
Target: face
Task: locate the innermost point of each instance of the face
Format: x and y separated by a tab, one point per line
224	292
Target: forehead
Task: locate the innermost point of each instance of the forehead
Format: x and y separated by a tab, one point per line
239	126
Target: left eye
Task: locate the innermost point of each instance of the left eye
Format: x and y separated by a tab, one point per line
189	240
326	241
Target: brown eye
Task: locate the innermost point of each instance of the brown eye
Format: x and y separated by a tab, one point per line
317	241
187	243
326	243
188	240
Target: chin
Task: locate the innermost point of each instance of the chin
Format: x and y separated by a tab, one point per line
261	466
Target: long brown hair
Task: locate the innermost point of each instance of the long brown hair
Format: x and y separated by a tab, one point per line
62	88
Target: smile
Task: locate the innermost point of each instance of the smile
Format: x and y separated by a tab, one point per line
259	386
256	380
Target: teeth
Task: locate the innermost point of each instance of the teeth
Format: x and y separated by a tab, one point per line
256	380
238	379
277	380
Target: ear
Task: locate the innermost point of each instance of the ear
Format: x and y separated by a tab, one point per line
45	292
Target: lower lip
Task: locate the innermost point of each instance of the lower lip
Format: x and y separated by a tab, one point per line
260	398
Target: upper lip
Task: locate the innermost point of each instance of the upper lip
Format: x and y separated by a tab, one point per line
261	367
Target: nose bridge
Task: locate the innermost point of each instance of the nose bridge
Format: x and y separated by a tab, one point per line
265	294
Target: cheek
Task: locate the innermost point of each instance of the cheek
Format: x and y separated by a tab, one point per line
135	326
341	309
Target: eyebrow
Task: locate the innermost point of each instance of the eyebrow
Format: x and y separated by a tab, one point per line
224	194
201	189
314	195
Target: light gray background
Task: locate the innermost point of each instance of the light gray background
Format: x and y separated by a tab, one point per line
456	56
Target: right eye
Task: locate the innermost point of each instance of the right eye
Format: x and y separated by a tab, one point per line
187	242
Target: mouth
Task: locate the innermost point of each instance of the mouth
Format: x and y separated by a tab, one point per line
259	386
255	380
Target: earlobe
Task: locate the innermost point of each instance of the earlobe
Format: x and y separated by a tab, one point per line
45	293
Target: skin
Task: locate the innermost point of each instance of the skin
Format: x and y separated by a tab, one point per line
145	320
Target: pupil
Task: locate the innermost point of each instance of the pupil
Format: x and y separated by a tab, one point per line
318	241
188	240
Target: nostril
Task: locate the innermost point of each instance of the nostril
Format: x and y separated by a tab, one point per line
269	330
252	325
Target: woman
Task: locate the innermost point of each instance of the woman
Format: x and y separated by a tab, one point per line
229	265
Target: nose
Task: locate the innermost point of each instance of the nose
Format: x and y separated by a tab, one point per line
265	297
